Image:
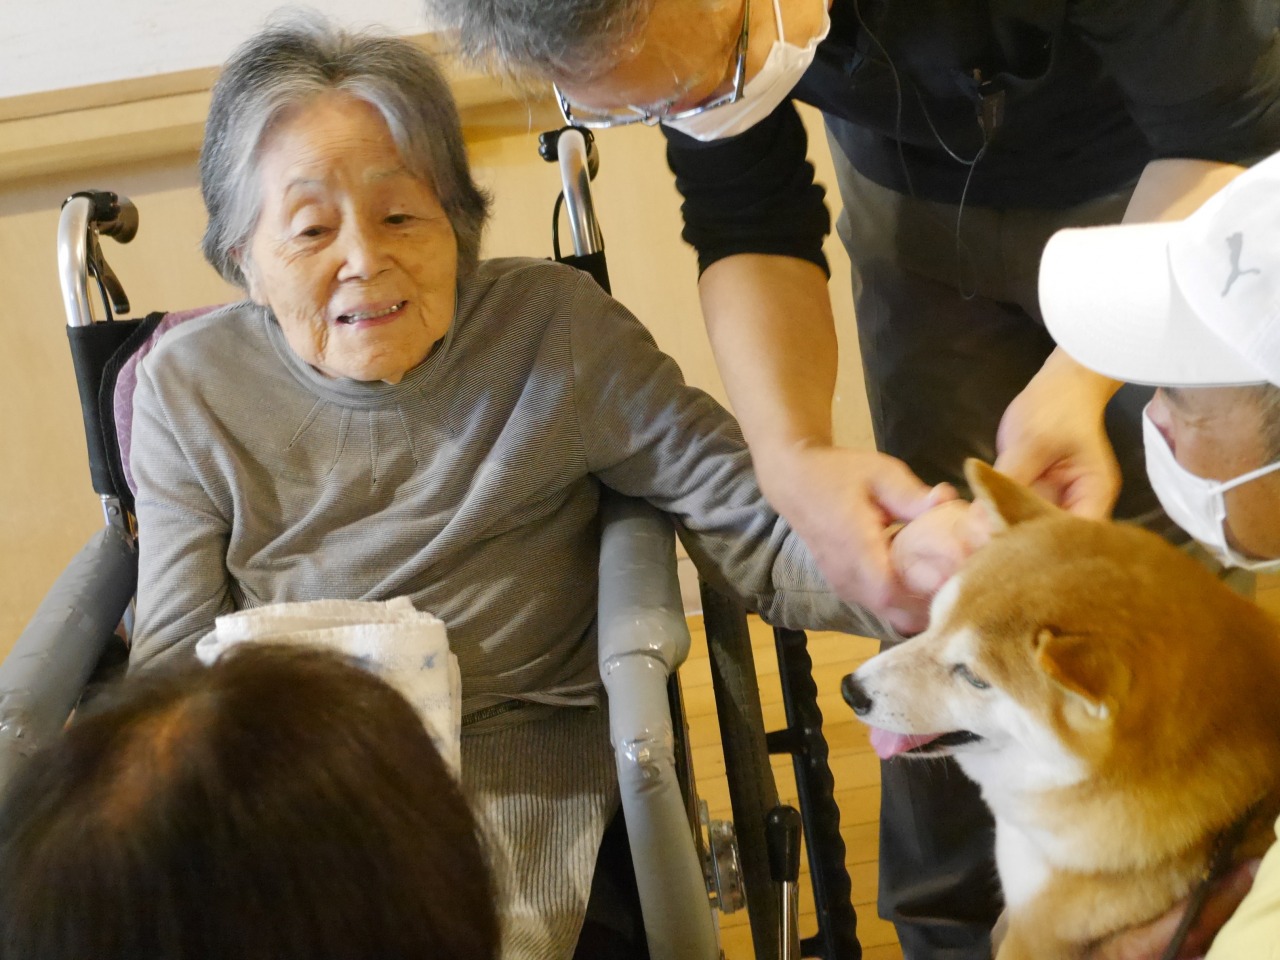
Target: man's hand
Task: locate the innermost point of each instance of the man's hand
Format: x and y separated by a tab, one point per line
1052	438
1149	941
927	552
841	502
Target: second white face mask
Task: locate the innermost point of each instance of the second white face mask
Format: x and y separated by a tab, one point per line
1195	504
782	70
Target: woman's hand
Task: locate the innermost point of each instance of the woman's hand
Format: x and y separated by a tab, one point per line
1149	941
927	551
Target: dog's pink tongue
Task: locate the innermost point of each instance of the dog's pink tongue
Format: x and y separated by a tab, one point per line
887	744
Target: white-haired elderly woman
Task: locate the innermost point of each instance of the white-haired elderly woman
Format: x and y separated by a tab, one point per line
386	415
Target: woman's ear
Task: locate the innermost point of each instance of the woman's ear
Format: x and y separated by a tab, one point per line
251	283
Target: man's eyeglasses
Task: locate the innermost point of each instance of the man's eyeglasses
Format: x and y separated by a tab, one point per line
728	92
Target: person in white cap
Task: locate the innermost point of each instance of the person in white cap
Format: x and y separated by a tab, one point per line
1193	307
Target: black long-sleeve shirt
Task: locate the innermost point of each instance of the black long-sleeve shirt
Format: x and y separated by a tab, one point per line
1072	98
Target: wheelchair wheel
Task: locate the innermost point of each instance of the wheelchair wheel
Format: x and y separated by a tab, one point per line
752	790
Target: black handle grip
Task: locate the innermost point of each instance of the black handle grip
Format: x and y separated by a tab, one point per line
782	833
549	148
113	215
124	227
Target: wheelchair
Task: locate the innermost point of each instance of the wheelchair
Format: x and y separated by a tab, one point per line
688	867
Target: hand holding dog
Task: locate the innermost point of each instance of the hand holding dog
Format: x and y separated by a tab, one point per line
1053	439
842	503
1149	941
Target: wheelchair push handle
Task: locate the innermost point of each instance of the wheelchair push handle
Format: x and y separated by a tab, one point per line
574	150
549	147
87	215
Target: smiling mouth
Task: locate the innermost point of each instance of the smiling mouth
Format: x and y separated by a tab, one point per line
349	318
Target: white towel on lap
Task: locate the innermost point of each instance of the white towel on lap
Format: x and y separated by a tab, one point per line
406	648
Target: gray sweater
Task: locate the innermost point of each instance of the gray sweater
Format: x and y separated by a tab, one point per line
471	487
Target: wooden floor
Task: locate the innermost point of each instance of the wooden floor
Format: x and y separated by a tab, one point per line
854	766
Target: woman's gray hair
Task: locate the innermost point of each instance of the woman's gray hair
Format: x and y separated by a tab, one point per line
288	64
543	38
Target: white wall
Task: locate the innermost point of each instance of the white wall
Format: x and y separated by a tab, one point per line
53	44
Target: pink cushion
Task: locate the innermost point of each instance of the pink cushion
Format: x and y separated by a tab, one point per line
127	382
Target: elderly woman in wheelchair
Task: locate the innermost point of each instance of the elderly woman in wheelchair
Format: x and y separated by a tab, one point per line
387	415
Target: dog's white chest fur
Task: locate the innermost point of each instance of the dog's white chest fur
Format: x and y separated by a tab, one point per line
1023	866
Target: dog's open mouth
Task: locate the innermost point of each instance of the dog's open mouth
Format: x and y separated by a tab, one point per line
887	744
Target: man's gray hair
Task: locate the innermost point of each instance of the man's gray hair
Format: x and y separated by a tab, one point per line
543	38
1269	400
288	64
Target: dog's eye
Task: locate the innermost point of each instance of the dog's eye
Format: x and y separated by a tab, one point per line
968	677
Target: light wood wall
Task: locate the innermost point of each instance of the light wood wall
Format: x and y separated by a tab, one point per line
49	508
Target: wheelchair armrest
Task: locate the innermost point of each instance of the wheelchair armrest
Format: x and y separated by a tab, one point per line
641	612
643	638
42	678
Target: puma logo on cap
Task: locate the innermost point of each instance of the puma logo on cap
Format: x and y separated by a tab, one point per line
1235	243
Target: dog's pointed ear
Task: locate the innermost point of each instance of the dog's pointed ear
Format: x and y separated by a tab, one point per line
1085	669
1005	501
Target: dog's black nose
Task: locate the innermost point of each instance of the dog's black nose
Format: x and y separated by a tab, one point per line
855	696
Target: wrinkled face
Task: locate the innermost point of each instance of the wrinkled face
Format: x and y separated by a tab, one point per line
353	254
1218	433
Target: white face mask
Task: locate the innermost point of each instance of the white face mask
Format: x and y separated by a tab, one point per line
782	70
1195	504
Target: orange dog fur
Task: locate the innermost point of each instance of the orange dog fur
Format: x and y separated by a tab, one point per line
1117	704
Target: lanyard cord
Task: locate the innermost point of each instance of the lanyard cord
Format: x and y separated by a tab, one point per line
966	291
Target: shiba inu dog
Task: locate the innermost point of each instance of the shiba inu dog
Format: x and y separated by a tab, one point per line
1117	704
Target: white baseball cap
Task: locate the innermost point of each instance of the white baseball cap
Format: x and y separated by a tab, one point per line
1191	303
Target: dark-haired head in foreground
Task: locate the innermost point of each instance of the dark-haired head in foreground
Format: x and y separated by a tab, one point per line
282	804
